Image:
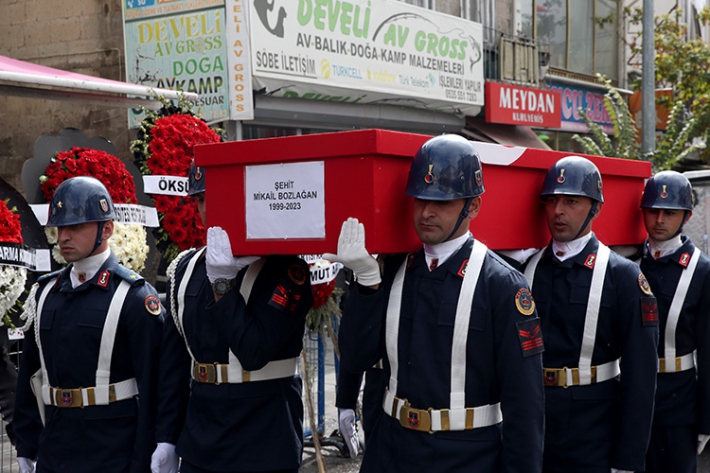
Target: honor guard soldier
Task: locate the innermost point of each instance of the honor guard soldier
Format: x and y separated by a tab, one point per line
230	395
679	275
92	350
456	328
600	319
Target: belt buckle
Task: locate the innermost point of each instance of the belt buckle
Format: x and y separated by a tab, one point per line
555	377
68	397
415	419
205	373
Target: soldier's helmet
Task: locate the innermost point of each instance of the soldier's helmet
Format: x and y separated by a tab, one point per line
668	190
446	167
196	181
573	175
80	200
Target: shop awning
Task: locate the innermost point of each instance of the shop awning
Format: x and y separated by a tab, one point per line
513	135
25	79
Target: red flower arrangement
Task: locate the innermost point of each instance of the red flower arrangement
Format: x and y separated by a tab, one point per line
105	167
165	147
10	227
321	293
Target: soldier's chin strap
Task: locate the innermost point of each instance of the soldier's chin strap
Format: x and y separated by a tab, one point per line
99	240
590	216
682	224
464	213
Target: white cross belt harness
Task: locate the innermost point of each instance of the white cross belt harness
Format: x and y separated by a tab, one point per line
103	393
670	363
585	373
231	372
457	416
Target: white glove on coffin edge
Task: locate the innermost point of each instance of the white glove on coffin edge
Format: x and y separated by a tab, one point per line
164	459
352	253
220	262
346	423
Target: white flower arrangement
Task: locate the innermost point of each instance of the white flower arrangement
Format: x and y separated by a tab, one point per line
12	283
128	243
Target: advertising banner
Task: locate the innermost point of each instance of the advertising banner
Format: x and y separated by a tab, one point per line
515	105
358	51
183	51
592	102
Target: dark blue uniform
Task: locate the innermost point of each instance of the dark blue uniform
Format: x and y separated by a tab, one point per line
682	398
252	426
349	391
595	427
113	438
503	365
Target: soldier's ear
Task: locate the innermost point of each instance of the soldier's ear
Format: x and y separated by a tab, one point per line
107	230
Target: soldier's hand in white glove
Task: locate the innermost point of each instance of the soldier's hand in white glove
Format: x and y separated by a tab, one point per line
26	465
164	459
352	253
702	441
348	429
219	261
614	470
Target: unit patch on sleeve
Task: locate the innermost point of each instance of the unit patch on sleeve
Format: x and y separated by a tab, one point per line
297	274
530	335
643	284
152	304
649	311
283	298
524	301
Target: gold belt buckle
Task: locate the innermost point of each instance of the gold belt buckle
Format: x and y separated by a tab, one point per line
68	397
555	377
415	419
205	373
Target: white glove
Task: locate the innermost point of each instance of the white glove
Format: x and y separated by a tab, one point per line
219	260
614	470
346	422
702	440
352	253
164	459
26	465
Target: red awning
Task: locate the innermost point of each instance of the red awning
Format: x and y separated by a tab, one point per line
25	79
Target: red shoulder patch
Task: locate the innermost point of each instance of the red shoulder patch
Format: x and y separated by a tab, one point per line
462	269
649	311
530	335
591	261
283	298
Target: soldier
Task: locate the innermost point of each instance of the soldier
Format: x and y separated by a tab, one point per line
599	319
456	329
679	275
94	342
230	396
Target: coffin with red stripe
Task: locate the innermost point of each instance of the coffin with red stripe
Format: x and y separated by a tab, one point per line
290	195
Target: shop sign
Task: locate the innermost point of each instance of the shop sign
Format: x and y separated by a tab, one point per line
515	105
361	51
185	51
592	102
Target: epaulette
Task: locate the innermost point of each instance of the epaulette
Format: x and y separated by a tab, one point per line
46	277
127	274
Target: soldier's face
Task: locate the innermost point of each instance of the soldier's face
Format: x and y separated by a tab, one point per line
566	215
76	241
663	224
435	219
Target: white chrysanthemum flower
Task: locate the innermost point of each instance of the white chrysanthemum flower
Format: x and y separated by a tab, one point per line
12	283
52	235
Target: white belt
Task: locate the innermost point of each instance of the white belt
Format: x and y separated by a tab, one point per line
216	373
567	377
82	397
682	363
435	420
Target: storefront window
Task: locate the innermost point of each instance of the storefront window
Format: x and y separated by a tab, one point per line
572	29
